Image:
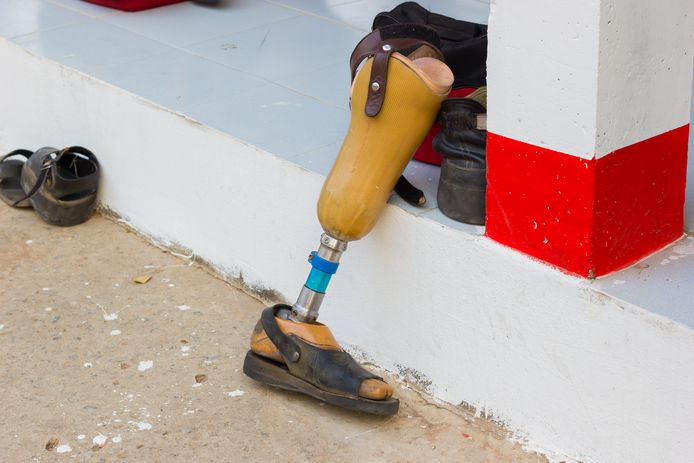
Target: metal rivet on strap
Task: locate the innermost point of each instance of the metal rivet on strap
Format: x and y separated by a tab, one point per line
294	357
375	86
387	47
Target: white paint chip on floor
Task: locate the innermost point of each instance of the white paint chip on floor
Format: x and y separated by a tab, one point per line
236	393
115	332
184	307
144	426
117	439
145	365
110	316
64	448
99	440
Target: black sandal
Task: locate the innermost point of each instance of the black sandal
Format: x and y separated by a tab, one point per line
329	375
61	185
10	178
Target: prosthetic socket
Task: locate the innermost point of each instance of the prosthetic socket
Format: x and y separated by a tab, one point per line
394	101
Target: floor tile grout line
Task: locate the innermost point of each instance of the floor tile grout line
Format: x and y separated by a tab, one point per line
77	10
86	18
49	29
342	2
317	15
215	36
264	80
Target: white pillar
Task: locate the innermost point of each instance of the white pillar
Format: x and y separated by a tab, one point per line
589	105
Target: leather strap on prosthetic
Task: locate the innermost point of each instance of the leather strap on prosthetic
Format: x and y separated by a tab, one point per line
381	43
412	40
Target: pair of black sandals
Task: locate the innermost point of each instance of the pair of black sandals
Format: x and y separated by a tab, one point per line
59	184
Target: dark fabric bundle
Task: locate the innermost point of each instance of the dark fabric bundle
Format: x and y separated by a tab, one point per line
463	43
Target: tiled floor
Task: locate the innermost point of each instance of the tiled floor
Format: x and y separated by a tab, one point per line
284	59
274	73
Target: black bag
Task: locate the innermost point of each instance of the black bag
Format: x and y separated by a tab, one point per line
463	43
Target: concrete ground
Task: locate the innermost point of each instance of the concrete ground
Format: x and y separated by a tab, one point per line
98	368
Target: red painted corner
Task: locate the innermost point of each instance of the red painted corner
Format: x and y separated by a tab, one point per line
539	202
588	217
639	200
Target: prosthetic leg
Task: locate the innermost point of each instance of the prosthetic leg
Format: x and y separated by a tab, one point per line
394	101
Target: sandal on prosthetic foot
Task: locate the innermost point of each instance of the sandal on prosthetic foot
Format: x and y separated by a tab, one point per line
321	371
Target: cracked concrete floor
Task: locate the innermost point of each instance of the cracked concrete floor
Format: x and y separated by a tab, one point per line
98	368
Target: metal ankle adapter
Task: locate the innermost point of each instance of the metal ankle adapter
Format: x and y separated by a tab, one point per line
324	264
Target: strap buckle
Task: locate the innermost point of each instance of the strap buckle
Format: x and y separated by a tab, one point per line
48	162
380	44
52	158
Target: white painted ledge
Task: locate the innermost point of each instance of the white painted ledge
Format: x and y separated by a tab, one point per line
571	371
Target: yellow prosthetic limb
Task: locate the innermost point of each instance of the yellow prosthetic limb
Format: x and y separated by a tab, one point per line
377	149
394	101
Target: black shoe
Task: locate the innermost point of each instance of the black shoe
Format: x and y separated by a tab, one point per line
463	144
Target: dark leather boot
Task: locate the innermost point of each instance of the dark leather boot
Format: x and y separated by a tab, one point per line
463	144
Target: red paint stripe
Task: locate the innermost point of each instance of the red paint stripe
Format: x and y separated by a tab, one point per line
539	202
133	5
640	192
588	217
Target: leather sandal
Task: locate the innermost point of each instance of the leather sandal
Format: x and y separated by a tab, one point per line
327	374
61	185
10	177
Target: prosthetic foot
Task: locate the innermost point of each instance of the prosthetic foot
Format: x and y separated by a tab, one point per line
394	101
305	358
